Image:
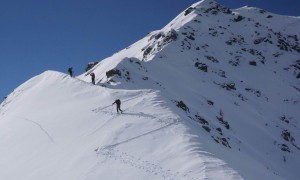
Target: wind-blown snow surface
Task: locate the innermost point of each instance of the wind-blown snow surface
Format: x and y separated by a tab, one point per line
213	95
52	125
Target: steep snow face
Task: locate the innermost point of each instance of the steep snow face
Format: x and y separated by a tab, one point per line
233	72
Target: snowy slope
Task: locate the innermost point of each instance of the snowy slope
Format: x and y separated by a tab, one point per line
237	71
212	95
56	131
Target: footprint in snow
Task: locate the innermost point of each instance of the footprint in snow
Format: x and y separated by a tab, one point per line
138	163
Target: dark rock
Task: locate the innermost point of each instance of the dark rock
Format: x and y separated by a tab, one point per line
90	65
286	135
257	24
220	131
210	102
285	119
262	39
262	11
239	18
211	58
201	120
235	61
252	63
298	89
287	43
206	128
147	51
181	105
277	54
285	148
242	97
256	92
127	75
191	37
113	72
221	73
236	40
222	121
255	53
171	36
201	66
223	141
159	35
189	10
216	8
229	86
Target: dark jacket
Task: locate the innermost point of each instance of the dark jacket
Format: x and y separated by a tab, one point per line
118	102
92	75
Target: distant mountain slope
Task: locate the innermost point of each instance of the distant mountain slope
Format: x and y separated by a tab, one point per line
212	95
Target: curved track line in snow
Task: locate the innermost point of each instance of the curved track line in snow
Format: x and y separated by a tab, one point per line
136	137
103	125
100	108
40	126
140	114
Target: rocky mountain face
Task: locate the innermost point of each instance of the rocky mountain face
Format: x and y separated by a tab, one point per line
233	72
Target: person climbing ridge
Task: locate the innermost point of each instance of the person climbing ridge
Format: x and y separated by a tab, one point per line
70	70
118	102
93	77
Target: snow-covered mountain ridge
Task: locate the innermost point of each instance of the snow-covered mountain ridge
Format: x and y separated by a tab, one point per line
213	94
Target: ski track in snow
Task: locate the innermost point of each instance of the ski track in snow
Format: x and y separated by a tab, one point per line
149	167
40	126
140	114
114	115
136	137
111	151
104	124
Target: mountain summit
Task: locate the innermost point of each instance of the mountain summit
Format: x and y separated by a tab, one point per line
212	95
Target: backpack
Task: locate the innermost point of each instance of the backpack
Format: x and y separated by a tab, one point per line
118	101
